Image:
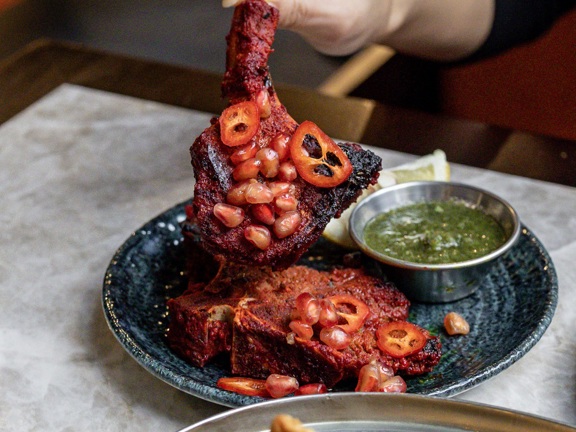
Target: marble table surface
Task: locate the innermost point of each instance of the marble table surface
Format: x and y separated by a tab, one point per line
79	171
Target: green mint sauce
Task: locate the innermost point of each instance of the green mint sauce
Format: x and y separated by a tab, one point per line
436	232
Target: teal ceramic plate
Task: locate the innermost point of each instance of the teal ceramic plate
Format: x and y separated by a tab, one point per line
507	316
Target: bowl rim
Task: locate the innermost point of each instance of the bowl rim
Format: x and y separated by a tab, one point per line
385	259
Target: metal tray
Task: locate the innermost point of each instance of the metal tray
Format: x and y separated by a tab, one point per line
378	412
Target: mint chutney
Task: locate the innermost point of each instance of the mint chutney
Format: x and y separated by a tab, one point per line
435	232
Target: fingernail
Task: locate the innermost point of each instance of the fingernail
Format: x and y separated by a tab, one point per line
230	3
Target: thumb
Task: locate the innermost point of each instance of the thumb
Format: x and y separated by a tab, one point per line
327	29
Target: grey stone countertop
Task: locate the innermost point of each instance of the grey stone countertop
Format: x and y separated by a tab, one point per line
80	170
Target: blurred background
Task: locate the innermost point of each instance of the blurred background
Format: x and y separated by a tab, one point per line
530	88
182	32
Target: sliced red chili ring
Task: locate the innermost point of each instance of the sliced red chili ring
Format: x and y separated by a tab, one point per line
354	320
239	123
400	338
318	159
244	386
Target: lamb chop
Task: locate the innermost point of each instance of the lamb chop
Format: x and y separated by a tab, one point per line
249	314
266	187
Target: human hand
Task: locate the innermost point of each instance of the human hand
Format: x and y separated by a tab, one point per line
338	28
435	29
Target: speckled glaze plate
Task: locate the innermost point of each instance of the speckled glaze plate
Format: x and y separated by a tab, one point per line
507	315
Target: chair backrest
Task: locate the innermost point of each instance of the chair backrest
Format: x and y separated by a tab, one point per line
531	87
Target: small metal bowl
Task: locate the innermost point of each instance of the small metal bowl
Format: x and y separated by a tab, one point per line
434	283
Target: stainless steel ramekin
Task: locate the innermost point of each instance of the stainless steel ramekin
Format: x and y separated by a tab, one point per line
435	283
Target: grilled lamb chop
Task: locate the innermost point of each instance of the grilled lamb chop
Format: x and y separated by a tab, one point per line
244	312
267	187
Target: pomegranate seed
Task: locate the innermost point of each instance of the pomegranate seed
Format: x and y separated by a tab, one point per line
286	203
372	375
308	308
263	102
264	213
369	378
258	193
269	162
455	324
229	215
287	224
335	337
396	384
301	329
328	314
280	144
247	169
244	153
281	188
237	193
287	171
258	235
386	372
281	385
310	389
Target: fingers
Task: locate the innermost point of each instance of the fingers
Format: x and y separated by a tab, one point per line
340	29
230	3
437	29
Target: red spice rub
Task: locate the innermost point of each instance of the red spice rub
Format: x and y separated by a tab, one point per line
247	79
244	312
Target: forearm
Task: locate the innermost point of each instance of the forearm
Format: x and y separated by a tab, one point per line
444	30
436	29
467	29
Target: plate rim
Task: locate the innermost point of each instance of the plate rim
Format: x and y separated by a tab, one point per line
384	407
158	369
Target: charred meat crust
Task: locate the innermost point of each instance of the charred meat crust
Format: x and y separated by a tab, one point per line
317	206
244	312
249	46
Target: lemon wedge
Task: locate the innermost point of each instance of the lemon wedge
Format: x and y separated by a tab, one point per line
430	167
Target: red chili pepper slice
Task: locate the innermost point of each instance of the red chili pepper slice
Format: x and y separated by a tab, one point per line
355	320
239	123
318	159
400	338
244	386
